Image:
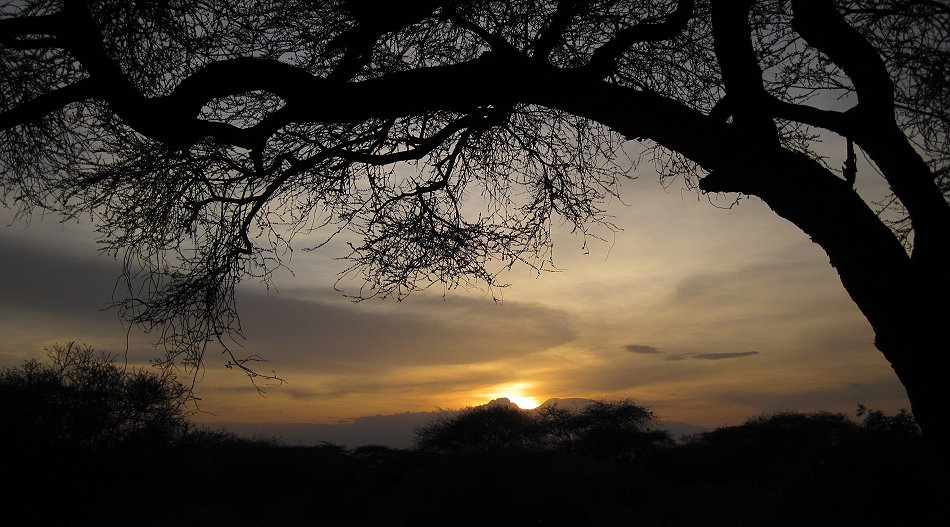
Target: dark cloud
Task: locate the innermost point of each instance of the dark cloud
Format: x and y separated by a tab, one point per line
50	294
54	295
712	356
840	396
720	356
41	279
641	348
380	385
318	329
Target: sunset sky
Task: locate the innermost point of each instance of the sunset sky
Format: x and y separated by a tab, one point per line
705	314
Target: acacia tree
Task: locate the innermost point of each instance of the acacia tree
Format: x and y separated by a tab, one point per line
82	400
203	135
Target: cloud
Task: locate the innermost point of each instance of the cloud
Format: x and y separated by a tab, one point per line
641	348
317	329
680	356
720	356
403	382
51	295
885	392
712	356
42	279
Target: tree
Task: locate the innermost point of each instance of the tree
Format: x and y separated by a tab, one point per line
487	428
83	400
609	429
203	135
823	459
603	428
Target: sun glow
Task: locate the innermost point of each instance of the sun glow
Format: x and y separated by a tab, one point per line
517	393
523	402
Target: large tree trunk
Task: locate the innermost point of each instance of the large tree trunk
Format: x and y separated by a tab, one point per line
898	295
921	369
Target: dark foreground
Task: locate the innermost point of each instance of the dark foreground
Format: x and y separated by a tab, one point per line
786	470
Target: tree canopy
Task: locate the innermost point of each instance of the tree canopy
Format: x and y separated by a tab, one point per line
81	400
609	429
450	135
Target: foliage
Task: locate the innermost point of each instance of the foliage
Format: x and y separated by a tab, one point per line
900	424
785	469
83	400
801	447
610	429
489	427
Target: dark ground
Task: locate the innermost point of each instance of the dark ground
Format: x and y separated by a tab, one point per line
770	475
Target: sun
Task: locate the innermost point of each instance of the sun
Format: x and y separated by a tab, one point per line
524	402
516	392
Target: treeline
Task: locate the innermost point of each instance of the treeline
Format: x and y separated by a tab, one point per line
600	428
90	442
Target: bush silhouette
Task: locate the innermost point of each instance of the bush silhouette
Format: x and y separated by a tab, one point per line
490	427
901	424
603	428
611	429
81	399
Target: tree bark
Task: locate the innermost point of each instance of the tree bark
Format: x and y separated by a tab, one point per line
897	297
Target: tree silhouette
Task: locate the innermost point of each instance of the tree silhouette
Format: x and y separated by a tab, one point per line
608	429
839	469
486	428
82	400
203	135
617	429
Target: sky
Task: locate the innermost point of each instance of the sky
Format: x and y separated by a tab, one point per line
707	314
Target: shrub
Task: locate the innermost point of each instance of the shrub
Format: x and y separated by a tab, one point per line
610	429
480	428
81	399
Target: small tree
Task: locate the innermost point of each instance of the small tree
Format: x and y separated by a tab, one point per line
603	428
901	424
485	428
81	399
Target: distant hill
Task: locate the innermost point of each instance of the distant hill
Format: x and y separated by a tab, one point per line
394	430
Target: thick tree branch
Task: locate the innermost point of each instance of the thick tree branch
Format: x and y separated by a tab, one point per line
875	129
551	36
374	19
861	248
492	80
47	103
842	123
604	59
497	43
740	69
822	26
31	43
15	28
422	148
